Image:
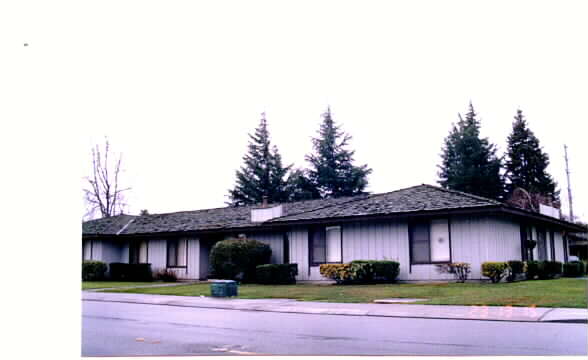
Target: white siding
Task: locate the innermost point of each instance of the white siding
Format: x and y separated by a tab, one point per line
193	259
124	253
479	239
299	251
156	254
376	241
110	251
276	242
559	248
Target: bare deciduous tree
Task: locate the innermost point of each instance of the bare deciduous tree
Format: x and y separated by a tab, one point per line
104	193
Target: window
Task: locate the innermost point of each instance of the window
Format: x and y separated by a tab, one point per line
429	242
138	252
177	251
325	245
541	244
526	234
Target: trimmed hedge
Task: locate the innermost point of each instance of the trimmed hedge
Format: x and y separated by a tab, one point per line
93	270
362	271
515	268
543	269
280	274
534	269
553	269
495	270
573	269
341	273
236	259
130	272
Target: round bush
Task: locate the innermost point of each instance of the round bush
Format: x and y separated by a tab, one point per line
236	259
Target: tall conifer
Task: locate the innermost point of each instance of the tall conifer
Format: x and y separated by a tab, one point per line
262	174
469	163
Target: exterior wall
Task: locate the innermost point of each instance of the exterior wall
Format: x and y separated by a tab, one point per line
479	239
276	242
474	239
157	257
298	237
111	251
559	247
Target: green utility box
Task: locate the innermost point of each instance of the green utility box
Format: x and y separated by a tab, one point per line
223	288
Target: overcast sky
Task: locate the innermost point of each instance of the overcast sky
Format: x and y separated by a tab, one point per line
177	86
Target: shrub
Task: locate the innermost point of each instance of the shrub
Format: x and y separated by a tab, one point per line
166	275
362	271
282	274
236	259
573	269
515	267
341	273
460	270
495	270
534	269
552	269
93	270
130	272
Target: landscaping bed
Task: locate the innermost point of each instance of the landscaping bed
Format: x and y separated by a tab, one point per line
563	292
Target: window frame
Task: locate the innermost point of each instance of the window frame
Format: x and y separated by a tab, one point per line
428	222
137	246
311	241
177	245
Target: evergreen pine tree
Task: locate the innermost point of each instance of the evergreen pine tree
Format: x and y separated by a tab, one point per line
526	163
469	163
300	187
332	171
262	174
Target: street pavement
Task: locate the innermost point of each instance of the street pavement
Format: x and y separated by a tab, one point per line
127	329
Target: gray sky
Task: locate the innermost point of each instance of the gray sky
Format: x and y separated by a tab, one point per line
177	86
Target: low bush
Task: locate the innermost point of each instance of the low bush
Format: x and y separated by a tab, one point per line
552	269
93	270
460	270
166	275
495	270
515	268
362	271
130	272
236	259
341	273
535	269
573	269
280	274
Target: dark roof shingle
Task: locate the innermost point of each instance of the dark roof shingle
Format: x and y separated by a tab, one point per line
416	198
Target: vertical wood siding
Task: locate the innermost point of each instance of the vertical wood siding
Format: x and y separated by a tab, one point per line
274	240
559	248
479	239
299	251
110	251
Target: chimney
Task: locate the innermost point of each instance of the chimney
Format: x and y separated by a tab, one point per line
264	201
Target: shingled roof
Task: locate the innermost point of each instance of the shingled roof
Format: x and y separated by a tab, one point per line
416	198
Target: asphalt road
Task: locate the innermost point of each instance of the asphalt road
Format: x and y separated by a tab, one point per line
119	329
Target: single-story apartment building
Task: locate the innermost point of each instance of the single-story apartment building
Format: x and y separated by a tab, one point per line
419	227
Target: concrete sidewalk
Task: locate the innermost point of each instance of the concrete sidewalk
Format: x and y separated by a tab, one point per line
490	313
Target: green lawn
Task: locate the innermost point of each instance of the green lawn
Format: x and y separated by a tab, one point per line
542	293
88	285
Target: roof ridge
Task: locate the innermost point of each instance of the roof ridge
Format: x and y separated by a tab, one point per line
477	197
351	199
